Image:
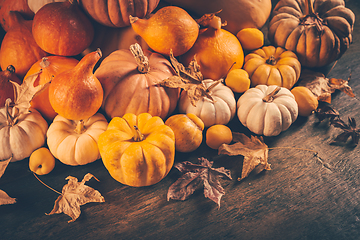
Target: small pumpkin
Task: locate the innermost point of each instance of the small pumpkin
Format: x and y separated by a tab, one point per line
318	31
74	142
130	79
218	110
271	65
137	150
267	110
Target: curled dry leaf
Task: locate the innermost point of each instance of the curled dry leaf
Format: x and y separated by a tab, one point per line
74	194
322	87
326	112
4	197
193	176
254	150
349	130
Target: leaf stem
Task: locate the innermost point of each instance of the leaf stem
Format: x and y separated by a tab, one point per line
46	184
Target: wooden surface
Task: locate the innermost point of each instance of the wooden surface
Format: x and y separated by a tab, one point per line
303	197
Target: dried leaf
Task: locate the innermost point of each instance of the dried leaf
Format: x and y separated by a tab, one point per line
74	194
4	197
323	87
349	130
193	176
254	150
325	111
211	20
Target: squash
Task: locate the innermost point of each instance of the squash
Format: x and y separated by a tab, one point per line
115	13
318	31
130	79
238	14
22	130
35	5
218	110
306	100
273	66
75	142
6	87
8	6
137	150
267	110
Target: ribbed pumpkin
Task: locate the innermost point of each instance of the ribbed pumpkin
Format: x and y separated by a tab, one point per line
115	13
318	31
130	79
273	66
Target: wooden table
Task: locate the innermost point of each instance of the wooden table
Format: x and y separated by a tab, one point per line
303	197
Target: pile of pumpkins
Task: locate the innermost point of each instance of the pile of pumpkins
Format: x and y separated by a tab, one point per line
87	76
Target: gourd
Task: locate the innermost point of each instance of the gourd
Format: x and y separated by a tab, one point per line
8	6
137	150
238	14
218	110
115	13
22	130
273	66
306	100
318	31
75	142
267	110
130	79
35	5
49	66
6	87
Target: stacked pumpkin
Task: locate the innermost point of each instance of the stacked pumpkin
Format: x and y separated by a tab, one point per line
84	103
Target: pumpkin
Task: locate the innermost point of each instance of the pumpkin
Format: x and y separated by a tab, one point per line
137	150
218	110
50	67
74	142
8	6
18	48
130	79
35	5
273	66
6	87
267	110
318	31
22	130
115	13
238	14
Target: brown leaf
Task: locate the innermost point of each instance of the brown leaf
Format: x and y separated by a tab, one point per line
323	87
74	194
254	150
4	198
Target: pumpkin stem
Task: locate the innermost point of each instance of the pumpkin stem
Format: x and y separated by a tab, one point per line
214	84
311	17
44	63
138	136
9	118
80	127
10	69
141	59
270	96
309	8
133	19
271	60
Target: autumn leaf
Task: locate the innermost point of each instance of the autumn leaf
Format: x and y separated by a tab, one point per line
193	176
349	130
254	150
323	87
211	20
4	197
326	112
74	194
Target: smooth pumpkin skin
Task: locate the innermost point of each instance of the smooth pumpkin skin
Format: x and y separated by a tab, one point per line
137	163
315	45
273	66
126	90
267	118
74	147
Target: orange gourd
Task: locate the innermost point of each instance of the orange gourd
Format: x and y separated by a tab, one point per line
7	6
6	87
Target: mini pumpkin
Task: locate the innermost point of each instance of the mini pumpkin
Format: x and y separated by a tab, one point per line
137	150
267	110
74	142
273	66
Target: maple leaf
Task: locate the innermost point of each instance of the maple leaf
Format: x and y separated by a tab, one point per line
323	87
193	176
349	130
325	111
4	197
74	194
254	150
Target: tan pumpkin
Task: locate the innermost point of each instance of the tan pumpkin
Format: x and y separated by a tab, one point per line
130	79
35	5
273	66
318	31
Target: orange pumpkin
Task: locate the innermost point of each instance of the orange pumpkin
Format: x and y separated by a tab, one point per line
7	6
130	79
6	87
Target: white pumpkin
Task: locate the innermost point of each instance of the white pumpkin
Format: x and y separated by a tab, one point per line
35	5
267	110
20	135
75	142
220	110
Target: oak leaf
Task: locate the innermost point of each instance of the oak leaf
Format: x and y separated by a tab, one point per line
4	197
74	194
254	150
193	176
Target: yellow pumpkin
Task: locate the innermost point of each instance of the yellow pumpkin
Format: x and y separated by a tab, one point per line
273	66
137	150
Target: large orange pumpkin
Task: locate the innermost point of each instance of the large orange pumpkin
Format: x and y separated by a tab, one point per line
132	87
